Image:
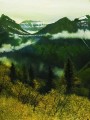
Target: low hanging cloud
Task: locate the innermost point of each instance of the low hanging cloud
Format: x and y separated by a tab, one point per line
9	47
80	34
6	48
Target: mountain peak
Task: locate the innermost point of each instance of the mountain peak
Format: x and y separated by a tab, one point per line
10	25
83	17
3	15
6	18
32	26
63	24
64	19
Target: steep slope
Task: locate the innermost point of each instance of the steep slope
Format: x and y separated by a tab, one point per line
4	36
63	24
10	26
84	75
83	22
53	52
85	67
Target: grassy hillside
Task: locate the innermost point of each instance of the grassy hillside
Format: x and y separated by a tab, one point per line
23	101
12	109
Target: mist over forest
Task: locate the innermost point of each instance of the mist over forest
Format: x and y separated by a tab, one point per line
45	75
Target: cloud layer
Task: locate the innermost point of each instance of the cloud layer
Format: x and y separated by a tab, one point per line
80	34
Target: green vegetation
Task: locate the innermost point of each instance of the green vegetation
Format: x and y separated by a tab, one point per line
22	101
48	80
57	108
56	52
62	24
69	76
10	25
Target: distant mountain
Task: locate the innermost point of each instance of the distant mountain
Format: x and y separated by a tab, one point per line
12	33
10	26
83	22
65	24
39	48
32	26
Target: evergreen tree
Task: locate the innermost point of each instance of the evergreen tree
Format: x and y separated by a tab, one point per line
12	72
49	83
89	93
25	74
69	76
31	76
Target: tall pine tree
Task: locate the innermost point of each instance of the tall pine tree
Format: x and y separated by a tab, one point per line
69	76
31	76
12	73
25	74
49	83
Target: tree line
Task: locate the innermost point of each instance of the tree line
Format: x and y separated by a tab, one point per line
29	76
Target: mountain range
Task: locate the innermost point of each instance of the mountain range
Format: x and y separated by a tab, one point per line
65	24
32	26
41	48
10	26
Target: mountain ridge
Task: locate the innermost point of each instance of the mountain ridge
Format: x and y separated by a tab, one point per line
10	26
32	26
65	24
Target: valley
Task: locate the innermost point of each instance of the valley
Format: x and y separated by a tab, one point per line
45	74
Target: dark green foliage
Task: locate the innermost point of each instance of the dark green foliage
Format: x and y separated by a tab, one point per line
84	74
31	75
12	73
69	76
49	81
4	36
63	24
56	51
89	94
10	25
24	74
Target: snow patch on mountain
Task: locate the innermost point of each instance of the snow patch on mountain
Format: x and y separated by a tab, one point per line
83	18
32	26
83	23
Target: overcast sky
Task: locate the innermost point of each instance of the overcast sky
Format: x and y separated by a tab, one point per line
44	10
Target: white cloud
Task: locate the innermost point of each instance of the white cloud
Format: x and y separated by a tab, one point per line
9	47
80	34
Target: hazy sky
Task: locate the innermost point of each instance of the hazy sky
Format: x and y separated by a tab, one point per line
44	10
